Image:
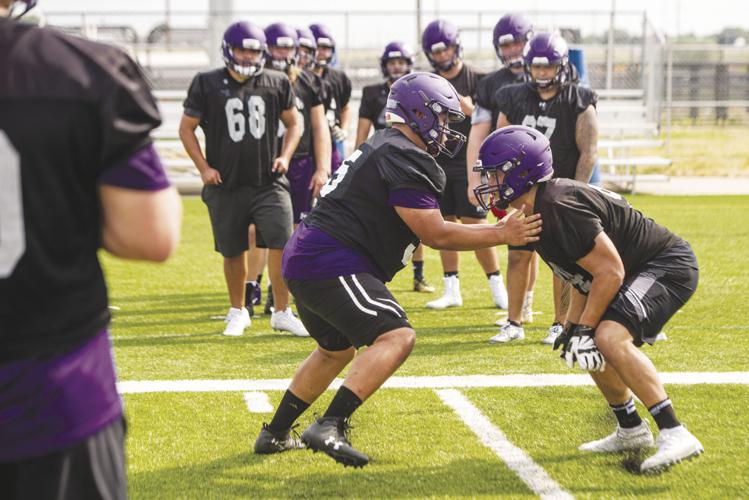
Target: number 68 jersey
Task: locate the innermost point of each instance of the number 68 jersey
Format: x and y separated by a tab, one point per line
240	122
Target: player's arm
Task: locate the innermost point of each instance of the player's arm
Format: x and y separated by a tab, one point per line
502	120
322	148
429	226
345	116
586	137
187	126
290	120
481	127
362	130
605	266
577	305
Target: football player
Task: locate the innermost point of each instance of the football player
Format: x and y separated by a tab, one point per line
307	48
629	276
239	107
78	173
510	36
566	114
441	44
372	215
396	60
336	92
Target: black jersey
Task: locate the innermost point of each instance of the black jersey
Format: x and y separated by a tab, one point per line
69	109
354	209
336	94
556	118
240	121
490	84
574	213
307	94
373	101
465	83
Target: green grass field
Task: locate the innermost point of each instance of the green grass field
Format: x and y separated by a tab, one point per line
199	445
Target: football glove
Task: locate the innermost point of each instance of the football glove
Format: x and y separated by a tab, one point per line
339	134
582	348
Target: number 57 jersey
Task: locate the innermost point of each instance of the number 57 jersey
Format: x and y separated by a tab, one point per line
240	122
357	205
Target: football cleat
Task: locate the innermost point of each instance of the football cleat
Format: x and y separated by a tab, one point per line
499	292
554	331
329	435
285	321
451	297
507	333
421	285
269	301
268	442
622	440
674	445
236	322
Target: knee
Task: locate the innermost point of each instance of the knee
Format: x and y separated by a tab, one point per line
519	258
339	357
612	345
402	340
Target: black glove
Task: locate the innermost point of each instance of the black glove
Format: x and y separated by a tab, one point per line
564	338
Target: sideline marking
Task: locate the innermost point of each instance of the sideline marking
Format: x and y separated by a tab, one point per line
440	382
532	474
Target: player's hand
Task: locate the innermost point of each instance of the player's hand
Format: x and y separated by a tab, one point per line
338	134
280	166
319	178
466	105
210	177
583	349
520	230
563	340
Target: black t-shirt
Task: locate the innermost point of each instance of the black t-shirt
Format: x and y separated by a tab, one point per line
69	110
373	101
240	121
336	94
307	94
465	83
574	213
354	205
556	118
490	84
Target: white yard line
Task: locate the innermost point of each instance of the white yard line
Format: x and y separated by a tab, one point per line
257	402
532	474
442	382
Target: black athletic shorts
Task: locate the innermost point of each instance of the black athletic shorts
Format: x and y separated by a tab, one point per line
347	311
92	469
233	210
648	298
455	201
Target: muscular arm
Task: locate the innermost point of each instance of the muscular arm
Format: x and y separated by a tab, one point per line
290	120
606	267
345	115
187	126
322	147
476	136
435	232
502	120
140	224
577	304
586	137
362	130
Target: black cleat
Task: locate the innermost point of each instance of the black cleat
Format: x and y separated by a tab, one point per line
267	442
269	301
328	434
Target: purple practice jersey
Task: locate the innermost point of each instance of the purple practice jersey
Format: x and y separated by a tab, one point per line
74	114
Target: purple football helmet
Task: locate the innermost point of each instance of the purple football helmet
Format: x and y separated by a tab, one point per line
282	35
243	35
21	6
418	100
438	36
324	38
307	47
511	28
396	50
521	154
547	49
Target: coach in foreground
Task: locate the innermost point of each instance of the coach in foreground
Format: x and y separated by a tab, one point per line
629	276
371	216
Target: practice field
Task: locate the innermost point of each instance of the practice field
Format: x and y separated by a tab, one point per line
497	421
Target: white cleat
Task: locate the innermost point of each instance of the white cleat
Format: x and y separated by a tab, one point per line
554	331
285	321
451	297
499	292
674	445
507	333
622	440
528	308
236	322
